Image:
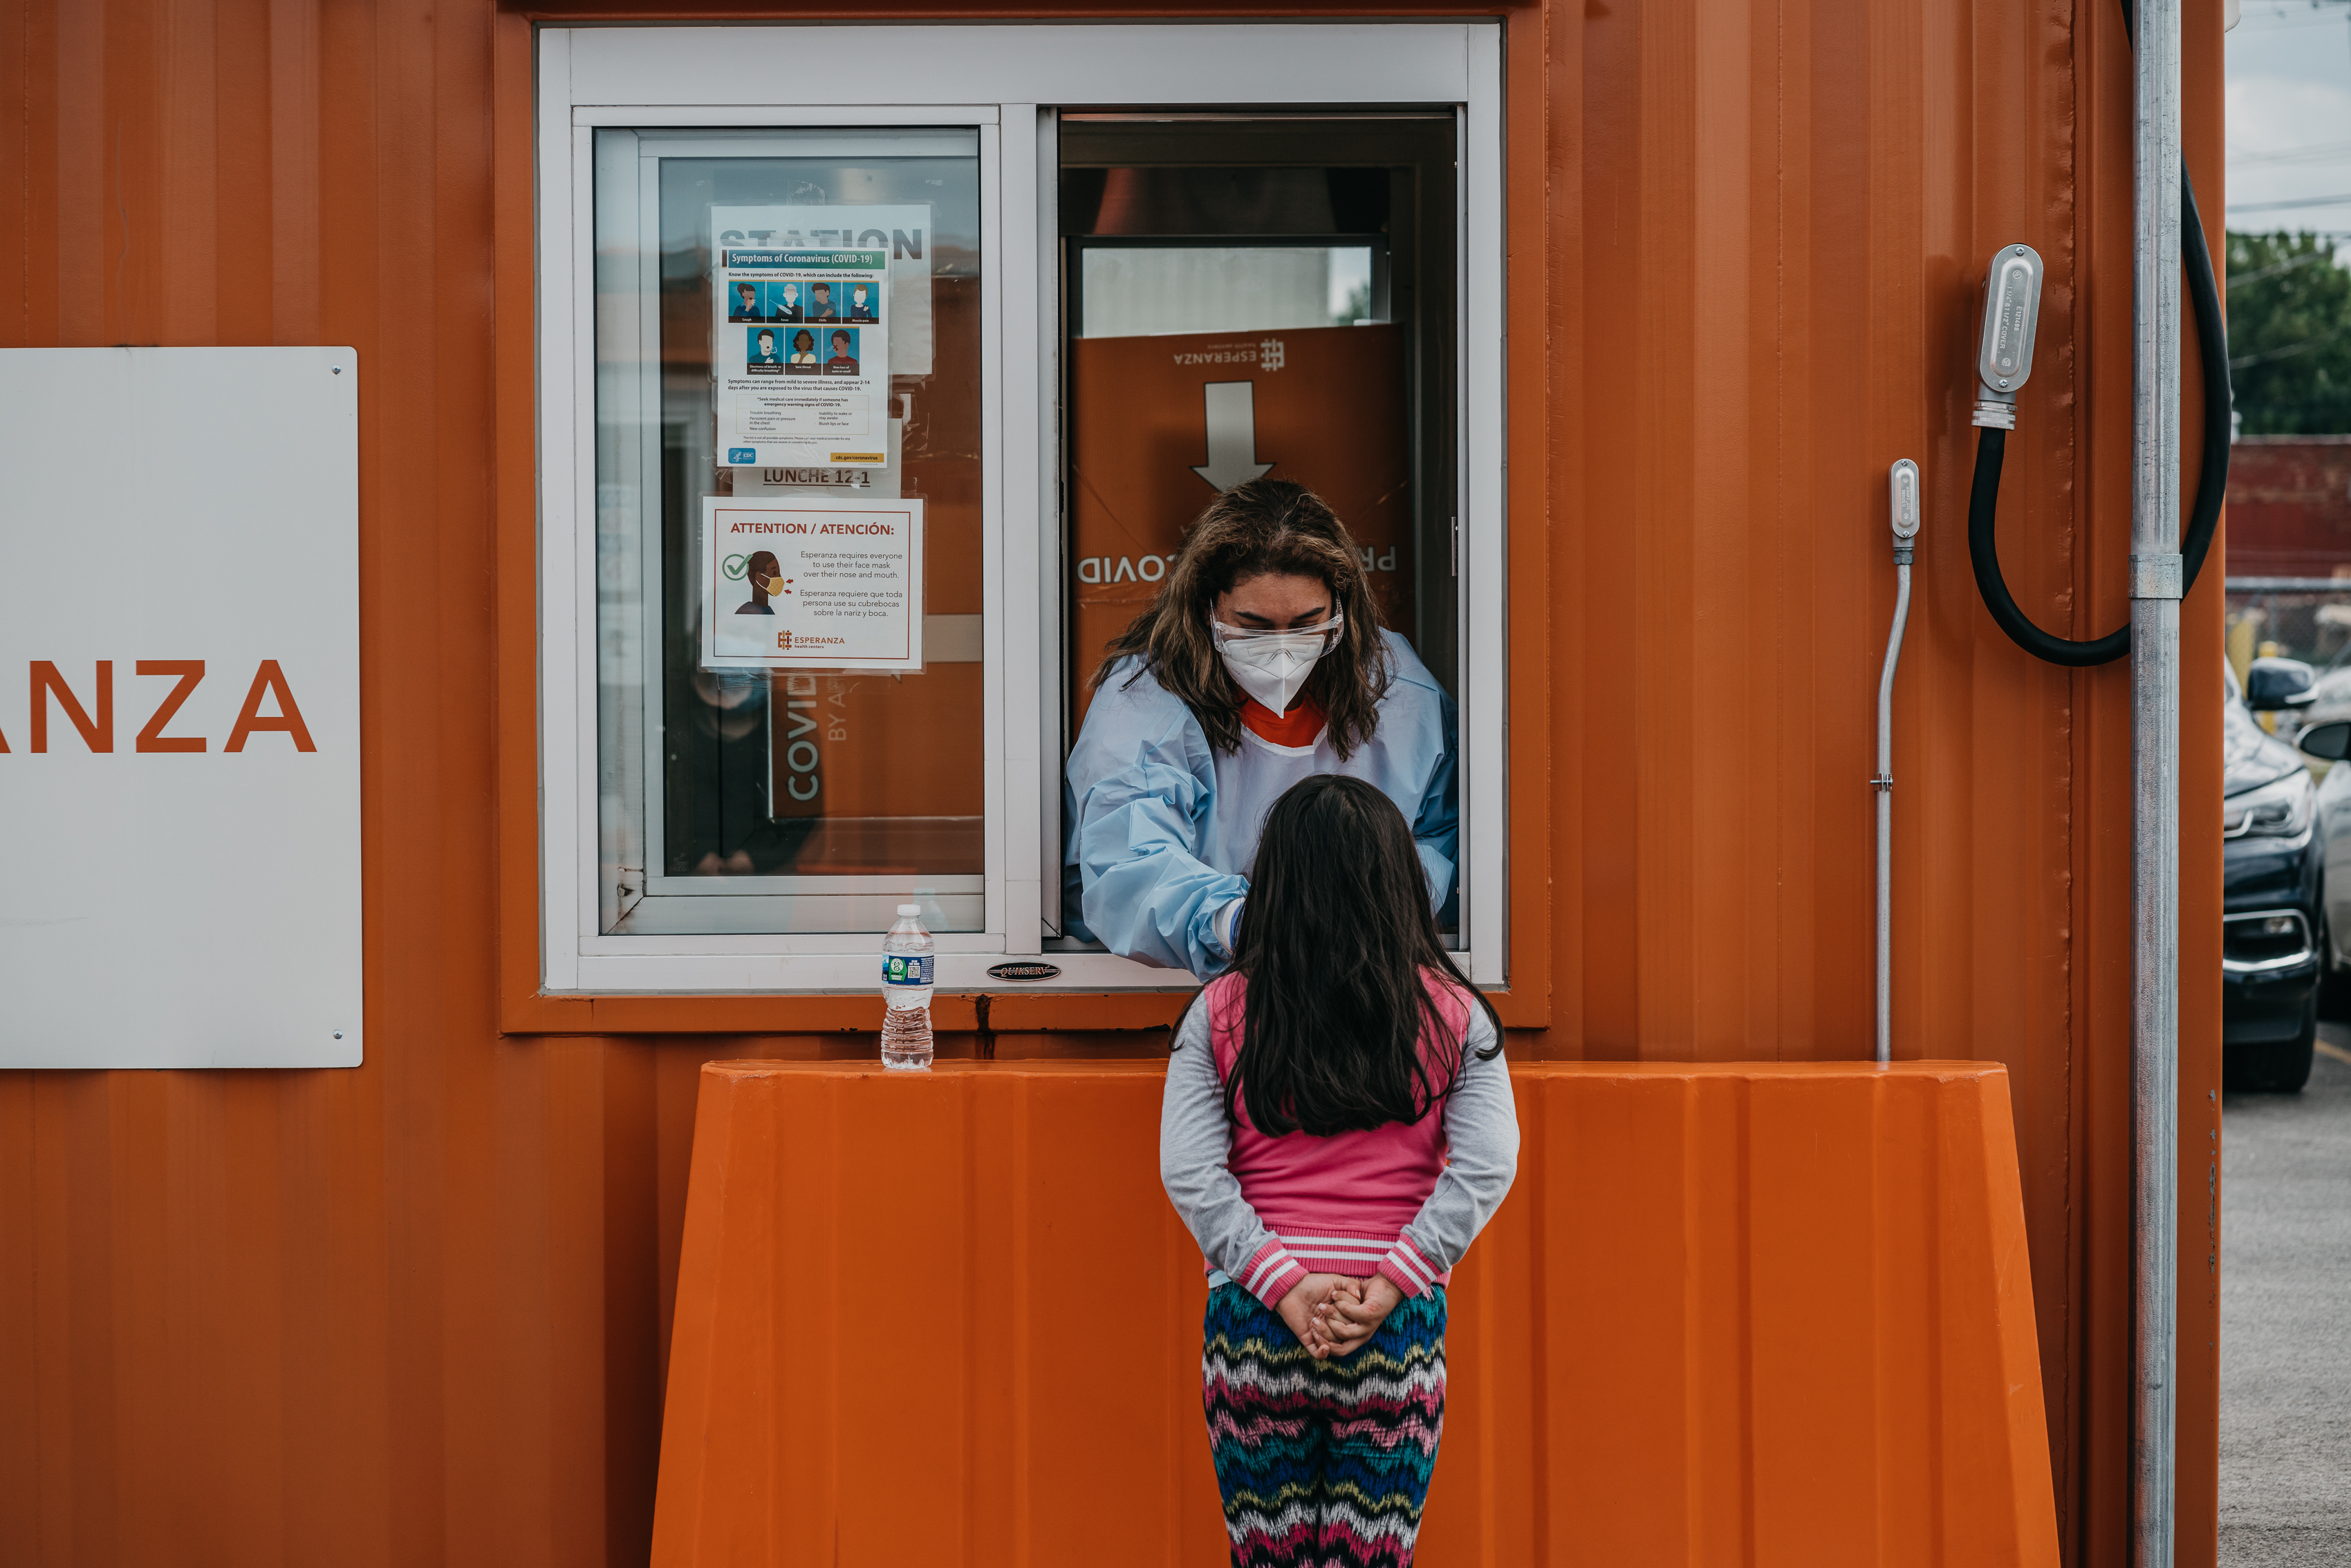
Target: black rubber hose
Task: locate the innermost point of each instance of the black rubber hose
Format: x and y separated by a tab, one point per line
2211	483
1983	506
2219	401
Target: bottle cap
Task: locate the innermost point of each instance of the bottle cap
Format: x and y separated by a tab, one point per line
909	909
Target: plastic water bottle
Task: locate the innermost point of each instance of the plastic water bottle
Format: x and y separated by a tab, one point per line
907	978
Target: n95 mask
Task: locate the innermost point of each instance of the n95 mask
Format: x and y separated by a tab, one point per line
1272	666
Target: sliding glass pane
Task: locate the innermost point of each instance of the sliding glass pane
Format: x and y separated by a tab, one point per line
789	481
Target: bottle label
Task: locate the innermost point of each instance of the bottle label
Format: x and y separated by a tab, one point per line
907	968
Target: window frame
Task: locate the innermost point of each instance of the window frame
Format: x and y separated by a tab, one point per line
659	78
594	946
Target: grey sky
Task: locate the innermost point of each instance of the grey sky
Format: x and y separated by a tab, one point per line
2289	108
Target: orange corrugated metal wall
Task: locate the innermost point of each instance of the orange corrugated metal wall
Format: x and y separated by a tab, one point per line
416	1312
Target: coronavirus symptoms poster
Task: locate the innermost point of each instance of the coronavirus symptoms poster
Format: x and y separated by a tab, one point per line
801	359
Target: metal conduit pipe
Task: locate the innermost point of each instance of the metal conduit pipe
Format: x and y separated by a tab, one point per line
2162	567
1903	508
2156	584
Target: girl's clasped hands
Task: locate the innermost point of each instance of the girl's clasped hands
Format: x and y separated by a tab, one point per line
1333	1314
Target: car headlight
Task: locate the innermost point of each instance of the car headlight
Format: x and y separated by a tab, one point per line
2276	810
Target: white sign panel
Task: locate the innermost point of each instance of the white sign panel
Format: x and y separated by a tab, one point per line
811	582
180	708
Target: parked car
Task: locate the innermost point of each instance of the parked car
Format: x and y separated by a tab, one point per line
2274	934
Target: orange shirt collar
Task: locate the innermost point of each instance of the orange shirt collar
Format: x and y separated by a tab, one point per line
1299	727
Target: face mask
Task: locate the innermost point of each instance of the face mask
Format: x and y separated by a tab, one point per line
1272	666
771	586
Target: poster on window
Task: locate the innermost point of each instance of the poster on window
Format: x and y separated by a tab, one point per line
801	359
903	230
811	582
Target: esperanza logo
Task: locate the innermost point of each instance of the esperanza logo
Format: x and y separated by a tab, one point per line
1266	354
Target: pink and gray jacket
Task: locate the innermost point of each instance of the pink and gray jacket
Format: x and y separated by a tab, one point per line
1404	1200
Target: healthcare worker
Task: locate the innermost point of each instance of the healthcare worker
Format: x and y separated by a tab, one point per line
1261	663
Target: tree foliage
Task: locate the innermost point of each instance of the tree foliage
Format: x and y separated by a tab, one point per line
2289	334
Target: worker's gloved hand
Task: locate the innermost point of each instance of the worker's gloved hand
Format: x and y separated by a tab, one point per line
1225	926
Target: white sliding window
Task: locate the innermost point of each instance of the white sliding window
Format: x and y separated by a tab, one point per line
819	333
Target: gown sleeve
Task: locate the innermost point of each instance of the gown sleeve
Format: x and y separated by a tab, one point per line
1436	826
1142	788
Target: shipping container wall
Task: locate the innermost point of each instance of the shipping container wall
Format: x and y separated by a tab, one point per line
416	1313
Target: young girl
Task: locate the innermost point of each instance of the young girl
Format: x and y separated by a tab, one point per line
1337	1128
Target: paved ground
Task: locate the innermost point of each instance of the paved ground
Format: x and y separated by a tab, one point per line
2285	1358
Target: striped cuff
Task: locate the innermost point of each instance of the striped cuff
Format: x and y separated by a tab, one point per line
1272	1274
1407	1271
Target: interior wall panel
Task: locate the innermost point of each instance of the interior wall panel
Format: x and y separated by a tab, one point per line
419	1311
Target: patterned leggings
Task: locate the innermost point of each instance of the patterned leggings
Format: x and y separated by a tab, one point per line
1321	1464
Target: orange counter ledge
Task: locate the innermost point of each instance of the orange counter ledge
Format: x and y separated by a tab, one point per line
1739	1314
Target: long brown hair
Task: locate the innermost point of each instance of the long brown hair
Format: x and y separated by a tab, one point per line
1265	525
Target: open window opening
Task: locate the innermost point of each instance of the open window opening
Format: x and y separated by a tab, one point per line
1259	294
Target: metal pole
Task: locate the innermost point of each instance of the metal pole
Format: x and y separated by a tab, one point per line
2155	581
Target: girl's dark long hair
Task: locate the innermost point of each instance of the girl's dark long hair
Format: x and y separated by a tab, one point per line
1337	947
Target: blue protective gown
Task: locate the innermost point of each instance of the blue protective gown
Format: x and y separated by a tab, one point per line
1149	859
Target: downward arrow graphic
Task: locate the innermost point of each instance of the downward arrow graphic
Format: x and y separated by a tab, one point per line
1232	435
